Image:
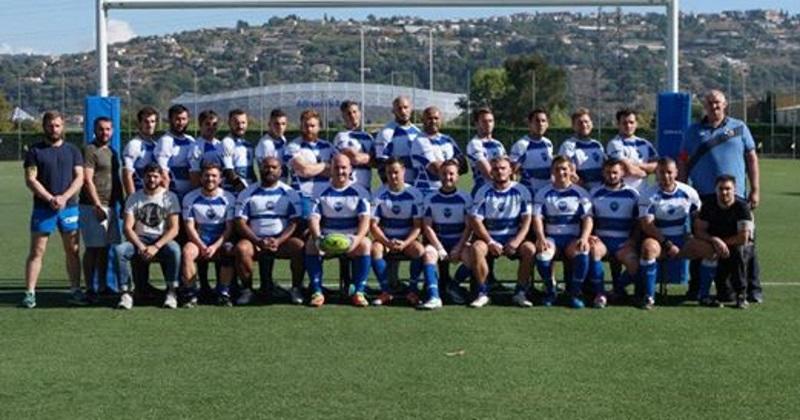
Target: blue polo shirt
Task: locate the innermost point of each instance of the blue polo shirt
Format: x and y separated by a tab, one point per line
726	158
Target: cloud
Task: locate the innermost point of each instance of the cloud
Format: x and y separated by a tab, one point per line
119	31
6	48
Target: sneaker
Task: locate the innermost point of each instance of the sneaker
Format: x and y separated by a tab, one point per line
455	294
648	303
29	301
576	303
521	300
359	300
191	302
480	301
317	300
296	295
756	297
171	300
599	302
710	302
412	298
549	299
245	297
430	304
224	300
125	301
77	298
383	299
741	303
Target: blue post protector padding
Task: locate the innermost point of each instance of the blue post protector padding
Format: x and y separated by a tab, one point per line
673	116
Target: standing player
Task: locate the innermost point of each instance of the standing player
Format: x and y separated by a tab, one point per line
208	221
583	151
308	158
138	153
562	224
237	154
267	216
431	150
273	142
397	138
396	225
207	147
355	143
615	207
533	154
447	232
500	221
342	207
173	150
483	148
101	193
636	154
54	174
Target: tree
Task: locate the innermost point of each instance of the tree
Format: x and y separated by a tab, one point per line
5	114
550	87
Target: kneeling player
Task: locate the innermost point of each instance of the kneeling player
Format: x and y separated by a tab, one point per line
342	207
500	221
208	220
396	225
562	223
615	208
267	216
447	232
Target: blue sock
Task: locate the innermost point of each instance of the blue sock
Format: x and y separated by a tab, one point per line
545	269
483	289
708	270
432	280
462	274
415	270
361	272
597	276
580	268
314	269
648	272
379	267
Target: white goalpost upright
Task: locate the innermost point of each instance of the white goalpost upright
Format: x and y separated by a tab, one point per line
103	7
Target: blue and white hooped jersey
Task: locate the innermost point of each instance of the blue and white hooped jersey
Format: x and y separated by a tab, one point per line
670	211
174	154
238	155
447	215
361	142
633	149
479	149
395	211
500	211
395	141
534	157
205	150
210	213
318	151
268	211
138	153
429	149
588	156
339	209
562	210
615	212
268	146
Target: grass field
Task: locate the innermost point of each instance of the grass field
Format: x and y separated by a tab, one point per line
278	361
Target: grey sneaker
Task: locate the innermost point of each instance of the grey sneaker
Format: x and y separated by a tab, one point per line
29	301
521	300
245	297
77	298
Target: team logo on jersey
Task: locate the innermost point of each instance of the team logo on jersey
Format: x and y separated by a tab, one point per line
447	212
396	209
501	206
545	156
671	209
730	133
596	157
211	213
614	206
338	206
562	205
270	205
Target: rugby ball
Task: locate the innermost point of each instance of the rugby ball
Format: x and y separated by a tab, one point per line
335	243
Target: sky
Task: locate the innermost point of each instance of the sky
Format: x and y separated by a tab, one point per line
67	26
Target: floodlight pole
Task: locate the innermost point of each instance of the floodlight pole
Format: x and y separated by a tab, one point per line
673	19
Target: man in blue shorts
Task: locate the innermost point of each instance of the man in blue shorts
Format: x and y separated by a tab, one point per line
54	174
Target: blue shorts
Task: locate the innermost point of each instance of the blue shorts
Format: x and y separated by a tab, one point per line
45	220
677	269
562	241
613	245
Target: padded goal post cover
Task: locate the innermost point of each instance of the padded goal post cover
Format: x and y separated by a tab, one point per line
673	116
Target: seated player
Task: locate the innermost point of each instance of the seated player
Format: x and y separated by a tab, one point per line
725	222
615	209
150	226
447	232
562	224
666	210
396	225
583	151
267	217
483	148
208	221
532	154
637	155
342	207
500	219
355	143
431	149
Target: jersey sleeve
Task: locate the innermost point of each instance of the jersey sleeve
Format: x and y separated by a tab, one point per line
228	151
517	154
479	208
242	206
747	138
31	159
585	206
294	205
615	150
646	207
130	154
77	156
195	156
527	205
163	151
230	206
476	152
538	203
187	213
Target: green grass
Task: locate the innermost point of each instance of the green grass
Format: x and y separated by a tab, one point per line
278	361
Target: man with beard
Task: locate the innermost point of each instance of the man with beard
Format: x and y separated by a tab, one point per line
173	152
636	154
483	148
138	153
431	150
355	143
532	154
237	155
207	147
397	137
583	151
273	141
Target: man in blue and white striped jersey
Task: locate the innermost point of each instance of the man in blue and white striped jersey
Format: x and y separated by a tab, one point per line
583	151
483	148
308	157
273	141
173	150
207	147
532	154
237	153
355	143
431	150
636	154
397	137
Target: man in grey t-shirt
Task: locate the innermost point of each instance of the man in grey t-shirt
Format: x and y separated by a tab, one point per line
150	227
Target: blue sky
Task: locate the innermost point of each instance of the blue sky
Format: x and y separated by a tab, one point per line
65	26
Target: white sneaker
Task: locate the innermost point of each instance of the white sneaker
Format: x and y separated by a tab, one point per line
245	297
296	295
521	300
600	302
171	302
125	302
432	303
480	301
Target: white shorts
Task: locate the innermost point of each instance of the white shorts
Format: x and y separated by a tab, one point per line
97	234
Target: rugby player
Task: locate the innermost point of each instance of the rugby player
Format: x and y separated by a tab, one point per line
138	153
431	149
583	151
237	153
173	151
273	141
355	143
483	148
207	147
397	137
532	154
636	154
308	157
